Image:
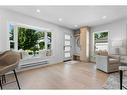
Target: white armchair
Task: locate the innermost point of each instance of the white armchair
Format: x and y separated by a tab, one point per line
107	63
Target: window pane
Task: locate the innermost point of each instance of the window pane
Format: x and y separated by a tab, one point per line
100	37
67	42
49	46
49	40
41	40
67	55
40	35
42	45
11	32
27	39
12	45
67	37
49	35
101	41
30	39
67	49
101	46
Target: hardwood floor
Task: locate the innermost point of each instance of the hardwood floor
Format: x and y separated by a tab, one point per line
61	76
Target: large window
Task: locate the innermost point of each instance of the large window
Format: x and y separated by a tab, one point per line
29	39
49	40
11	36
100	41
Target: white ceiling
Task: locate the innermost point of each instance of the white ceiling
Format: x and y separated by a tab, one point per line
74	15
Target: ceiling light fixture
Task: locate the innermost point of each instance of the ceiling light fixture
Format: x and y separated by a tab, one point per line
104	17
38	11
76	25
60	19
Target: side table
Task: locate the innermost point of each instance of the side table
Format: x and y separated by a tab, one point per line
121	69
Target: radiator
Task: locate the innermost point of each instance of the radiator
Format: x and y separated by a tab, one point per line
33	64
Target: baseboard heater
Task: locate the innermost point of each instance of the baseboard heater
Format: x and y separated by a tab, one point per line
33	64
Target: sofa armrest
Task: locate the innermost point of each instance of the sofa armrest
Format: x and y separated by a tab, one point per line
114	56
101	59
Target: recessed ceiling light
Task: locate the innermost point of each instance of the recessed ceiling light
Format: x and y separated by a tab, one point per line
76	25
38	11
104	17
60	19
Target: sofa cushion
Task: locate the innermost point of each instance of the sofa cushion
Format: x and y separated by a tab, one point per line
102	52
112	60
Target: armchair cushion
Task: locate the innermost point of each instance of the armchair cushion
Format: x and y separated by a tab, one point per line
112	60
102	52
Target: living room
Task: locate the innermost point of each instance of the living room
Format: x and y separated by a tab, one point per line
62	52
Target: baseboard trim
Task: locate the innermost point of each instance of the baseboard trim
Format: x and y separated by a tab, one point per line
34	67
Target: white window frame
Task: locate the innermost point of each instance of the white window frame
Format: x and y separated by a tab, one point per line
94	40
29	27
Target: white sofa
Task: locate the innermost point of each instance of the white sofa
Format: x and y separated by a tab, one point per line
107	63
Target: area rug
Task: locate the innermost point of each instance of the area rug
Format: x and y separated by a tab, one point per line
113	81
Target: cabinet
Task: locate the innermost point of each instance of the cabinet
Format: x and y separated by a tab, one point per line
83	44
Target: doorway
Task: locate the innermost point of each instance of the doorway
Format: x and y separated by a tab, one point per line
67	47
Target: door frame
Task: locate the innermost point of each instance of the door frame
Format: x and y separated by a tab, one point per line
68	58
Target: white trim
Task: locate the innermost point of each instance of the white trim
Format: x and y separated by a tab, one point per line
30	26
94	41
16	25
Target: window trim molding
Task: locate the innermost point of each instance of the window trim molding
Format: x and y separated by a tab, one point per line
16	25
94	41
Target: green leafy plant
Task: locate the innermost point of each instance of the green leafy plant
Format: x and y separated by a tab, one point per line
34	49
100	35
31	40
27	39
42	45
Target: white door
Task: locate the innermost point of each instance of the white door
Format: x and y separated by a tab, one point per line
67	47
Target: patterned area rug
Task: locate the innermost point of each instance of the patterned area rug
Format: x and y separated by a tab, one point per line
113	81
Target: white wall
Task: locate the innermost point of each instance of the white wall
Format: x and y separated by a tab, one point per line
57	32
117	31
